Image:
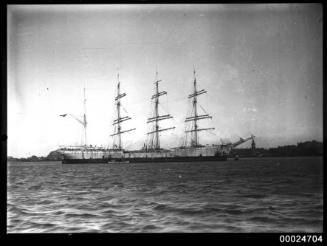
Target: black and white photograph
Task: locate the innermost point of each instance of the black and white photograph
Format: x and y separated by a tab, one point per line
165	118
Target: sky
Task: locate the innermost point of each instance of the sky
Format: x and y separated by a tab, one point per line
261	65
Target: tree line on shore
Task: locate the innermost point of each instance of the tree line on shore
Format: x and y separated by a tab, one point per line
52	156
309	148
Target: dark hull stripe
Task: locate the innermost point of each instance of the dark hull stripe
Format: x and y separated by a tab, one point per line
142	160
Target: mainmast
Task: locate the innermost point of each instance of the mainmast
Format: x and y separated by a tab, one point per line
119	119
195	117
155	143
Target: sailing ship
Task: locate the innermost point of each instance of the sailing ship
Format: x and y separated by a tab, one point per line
152	151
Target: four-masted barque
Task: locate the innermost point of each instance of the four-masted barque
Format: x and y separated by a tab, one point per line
151	151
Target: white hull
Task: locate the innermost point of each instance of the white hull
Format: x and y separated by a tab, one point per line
93	153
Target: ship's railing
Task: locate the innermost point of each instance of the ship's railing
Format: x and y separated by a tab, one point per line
94	148
143	150
199	146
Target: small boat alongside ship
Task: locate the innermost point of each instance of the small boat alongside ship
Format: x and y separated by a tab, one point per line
191	151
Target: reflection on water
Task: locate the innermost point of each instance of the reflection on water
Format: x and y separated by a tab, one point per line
249	195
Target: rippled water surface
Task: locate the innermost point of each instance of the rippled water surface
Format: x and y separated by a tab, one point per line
249	195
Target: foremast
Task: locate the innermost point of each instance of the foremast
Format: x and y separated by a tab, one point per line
155	137
196	117
117	122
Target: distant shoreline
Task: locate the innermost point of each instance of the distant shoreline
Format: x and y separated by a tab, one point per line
228	159
304	149
272	157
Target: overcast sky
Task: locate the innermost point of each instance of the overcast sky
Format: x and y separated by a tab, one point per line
261	65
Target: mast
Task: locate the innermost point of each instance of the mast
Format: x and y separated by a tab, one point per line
119	119
157	117
84	120
80	119
195	117
253	144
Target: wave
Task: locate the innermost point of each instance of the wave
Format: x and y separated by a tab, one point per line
254	196
35	187
261	219
186	210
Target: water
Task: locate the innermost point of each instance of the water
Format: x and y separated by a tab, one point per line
249	195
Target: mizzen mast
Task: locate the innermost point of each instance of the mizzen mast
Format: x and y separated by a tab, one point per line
196	117
155	142
120	119
84	119
80	119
